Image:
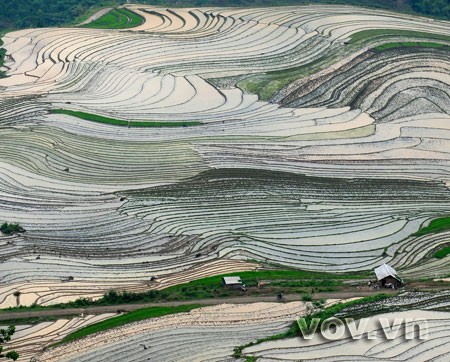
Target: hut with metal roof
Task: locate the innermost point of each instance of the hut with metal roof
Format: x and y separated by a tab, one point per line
232	282
387	277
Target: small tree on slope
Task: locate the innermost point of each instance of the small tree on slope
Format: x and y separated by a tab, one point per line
5	336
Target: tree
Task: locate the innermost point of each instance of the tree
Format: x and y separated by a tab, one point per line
10	229
5	336
12	355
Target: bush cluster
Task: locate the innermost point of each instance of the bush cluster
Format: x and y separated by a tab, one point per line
10	229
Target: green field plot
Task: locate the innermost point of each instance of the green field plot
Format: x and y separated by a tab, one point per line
120	122
435	226
116	19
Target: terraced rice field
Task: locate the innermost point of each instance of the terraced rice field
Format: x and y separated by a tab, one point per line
336	170
208	333
406	346
32	339
212	333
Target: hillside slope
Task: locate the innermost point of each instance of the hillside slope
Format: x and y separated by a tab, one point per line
40	13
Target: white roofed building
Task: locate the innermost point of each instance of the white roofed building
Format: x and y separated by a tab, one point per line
232	282
388	277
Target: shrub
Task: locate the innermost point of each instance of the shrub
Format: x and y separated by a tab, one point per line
10	229
5	336
442	253
306	297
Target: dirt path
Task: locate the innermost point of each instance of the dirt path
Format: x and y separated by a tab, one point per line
95	16
4	315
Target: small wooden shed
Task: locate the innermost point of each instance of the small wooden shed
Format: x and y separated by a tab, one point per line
232	282
387	277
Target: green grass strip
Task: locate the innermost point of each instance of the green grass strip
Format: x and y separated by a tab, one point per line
135	316
324	314
210	287
118	18
442	253
411	44
365	35
202	287
435	226
119	122
253	276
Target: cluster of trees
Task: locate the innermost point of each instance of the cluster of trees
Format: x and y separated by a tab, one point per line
178	292
113	297
2	57
42	13
435	8
9	229
5	336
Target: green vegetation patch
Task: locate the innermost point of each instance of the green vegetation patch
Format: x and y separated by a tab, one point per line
2	56
442	253
277	281
322	315
267	84
138	315
211	287
372	34
86	12
435	226
412	44
120	122
11	228
5	336
118	18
